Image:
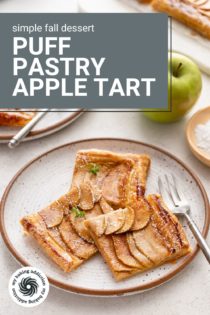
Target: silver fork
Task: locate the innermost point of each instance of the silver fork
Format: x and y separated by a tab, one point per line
180	206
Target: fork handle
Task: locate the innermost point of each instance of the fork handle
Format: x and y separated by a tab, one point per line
199	237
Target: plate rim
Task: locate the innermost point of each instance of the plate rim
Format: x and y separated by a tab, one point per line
47	130
99	292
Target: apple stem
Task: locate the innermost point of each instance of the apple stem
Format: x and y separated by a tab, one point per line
178	69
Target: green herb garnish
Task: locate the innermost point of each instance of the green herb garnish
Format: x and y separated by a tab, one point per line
77	212
94	168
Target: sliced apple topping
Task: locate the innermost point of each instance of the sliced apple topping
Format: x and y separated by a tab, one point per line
105	207
79	175
97	225
96	180
114	221
135	195
74	196
35	226
144	261
113	189
106	246
199	3
142	214
87	196
129	220
79	227
206	6
96	211
150	243
78	223
52	215
123	253
55	234
77	245
137	180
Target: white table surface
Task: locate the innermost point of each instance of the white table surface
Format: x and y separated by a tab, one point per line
189	293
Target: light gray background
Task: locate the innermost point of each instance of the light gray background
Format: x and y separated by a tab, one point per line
130	52
187	294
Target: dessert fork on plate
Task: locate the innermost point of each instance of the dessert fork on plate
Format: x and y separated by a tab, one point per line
181	207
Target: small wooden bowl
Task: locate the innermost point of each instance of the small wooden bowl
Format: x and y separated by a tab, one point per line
200	117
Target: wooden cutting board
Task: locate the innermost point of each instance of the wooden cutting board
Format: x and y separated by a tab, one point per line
184	40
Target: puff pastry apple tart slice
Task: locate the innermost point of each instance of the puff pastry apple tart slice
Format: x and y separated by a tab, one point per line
111	181
16	118
106	181
193	13
102	182
52	229
161	240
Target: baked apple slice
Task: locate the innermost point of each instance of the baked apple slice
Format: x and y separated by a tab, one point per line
55	234
75	195
77	245
53	214
143	260
129	220
105	207
35	226
114	221
123	253
113	189
109	223
142	215
149	242
78	222
95	175
98	225
86	197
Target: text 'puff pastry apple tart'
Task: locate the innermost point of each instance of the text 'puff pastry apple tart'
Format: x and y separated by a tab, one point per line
102	183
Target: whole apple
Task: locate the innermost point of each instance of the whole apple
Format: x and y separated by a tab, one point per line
186	87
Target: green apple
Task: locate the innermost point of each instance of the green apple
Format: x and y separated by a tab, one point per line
186	87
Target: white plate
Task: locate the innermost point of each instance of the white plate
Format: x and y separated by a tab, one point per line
50	123
48	176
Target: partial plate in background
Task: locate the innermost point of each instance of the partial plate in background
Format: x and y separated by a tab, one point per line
49	176
184	39
51	122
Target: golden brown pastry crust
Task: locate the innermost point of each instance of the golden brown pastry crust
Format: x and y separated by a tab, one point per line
195	14
161	240
52	229
35	226
15	119
119	181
